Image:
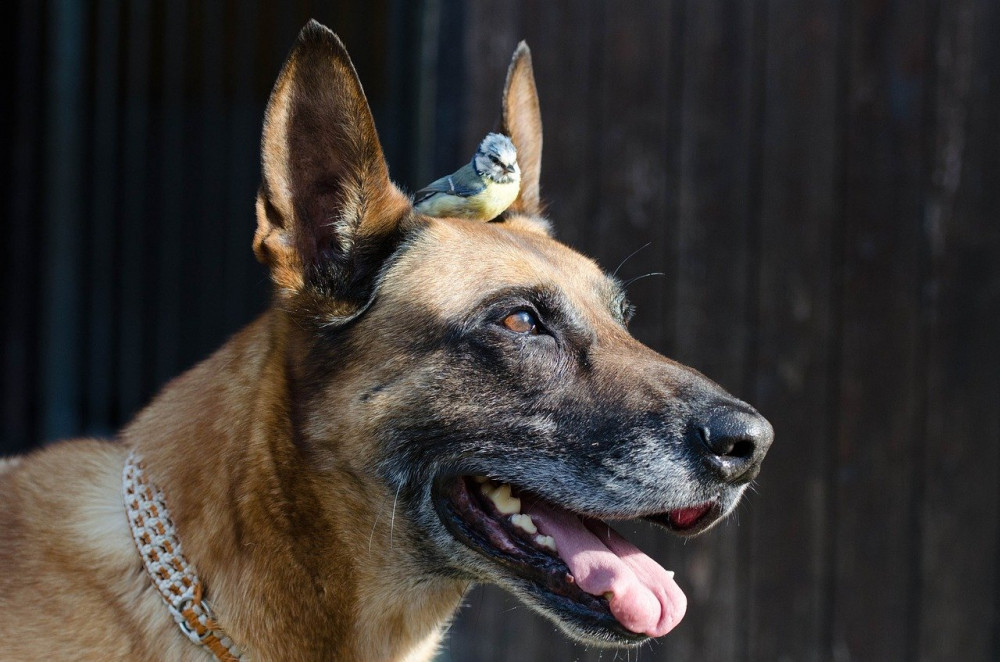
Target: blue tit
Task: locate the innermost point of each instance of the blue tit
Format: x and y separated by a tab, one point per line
481	189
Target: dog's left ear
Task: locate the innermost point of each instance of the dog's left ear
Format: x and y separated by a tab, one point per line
327	214
522	121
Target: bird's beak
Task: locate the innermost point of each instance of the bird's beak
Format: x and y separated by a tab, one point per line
510	169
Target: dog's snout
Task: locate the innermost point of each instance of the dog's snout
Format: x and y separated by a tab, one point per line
734	441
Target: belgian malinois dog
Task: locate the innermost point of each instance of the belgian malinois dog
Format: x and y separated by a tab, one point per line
429	403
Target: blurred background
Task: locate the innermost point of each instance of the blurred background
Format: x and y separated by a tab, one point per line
819	181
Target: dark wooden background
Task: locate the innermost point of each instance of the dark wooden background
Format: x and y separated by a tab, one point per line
819	181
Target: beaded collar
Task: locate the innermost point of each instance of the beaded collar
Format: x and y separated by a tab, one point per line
175	579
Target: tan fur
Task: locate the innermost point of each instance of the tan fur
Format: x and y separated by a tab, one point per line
459	262
70	577
276	499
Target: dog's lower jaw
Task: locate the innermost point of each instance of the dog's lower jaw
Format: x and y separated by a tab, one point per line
297	564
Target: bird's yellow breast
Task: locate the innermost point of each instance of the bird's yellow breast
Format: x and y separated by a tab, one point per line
485	205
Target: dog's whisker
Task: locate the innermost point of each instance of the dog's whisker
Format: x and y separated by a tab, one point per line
629	257
371	537
392	520
651	273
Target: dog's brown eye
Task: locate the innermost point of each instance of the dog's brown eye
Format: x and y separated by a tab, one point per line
521	322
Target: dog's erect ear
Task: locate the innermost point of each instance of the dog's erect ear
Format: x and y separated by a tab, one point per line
522	121
327	214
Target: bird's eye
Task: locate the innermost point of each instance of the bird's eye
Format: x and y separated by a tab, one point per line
522	322
494	159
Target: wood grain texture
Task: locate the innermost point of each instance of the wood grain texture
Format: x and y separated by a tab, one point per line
64	225
956	598
879	434
19	382
787	602
172	138
713	282
133	237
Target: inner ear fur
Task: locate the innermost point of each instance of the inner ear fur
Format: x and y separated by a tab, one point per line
522	121
327	213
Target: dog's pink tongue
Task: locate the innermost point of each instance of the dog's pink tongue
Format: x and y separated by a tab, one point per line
645	598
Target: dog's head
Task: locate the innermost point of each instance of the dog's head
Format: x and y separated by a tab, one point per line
483	372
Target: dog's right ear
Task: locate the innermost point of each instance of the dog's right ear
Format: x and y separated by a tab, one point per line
327	214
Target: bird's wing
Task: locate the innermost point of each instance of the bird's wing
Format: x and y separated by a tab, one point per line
460	183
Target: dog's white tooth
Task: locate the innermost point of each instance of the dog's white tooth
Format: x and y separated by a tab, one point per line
547	541
608	596
524	523
505	503
670	574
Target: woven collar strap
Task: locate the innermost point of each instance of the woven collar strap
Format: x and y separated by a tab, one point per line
174	578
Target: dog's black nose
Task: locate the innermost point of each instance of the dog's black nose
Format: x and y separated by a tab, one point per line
734	441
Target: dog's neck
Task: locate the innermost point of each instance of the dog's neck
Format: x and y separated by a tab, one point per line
294	562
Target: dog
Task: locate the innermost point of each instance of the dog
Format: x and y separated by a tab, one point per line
428	403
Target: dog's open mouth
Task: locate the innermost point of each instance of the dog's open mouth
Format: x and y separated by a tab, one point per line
575	565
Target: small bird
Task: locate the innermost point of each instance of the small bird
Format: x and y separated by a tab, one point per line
481	189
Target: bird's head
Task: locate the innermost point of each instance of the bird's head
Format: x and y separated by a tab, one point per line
496	159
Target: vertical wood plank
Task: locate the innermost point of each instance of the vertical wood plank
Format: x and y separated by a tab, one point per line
878	439
132	235
245	285
60	382
105	190
172	192
212	160
632	156
492	33
423	109
396	123
713	286
566	57
787	605
9	340
391	120
958	578
21	388
449	111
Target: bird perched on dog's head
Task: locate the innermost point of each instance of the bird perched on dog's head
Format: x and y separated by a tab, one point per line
481	189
